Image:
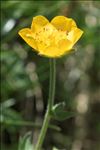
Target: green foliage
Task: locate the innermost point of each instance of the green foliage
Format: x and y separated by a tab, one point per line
60	112
55	148
25	77
8	115
25	142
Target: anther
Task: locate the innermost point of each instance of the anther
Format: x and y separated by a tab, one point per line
66	32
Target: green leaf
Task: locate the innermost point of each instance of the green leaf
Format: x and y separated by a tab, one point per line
25	142
7	103
60	113
54	148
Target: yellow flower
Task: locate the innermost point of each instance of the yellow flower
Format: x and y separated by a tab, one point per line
51	39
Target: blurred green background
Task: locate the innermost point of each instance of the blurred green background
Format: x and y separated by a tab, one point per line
25	77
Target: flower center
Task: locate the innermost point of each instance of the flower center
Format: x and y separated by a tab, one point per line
46	35
49	36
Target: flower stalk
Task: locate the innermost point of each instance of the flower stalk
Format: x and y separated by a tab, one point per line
50	104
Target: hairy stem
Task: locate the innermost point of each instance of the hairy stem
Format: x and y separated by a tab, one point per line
50	104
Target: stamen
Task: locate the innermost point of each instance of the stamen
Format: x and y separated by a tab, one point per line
66	32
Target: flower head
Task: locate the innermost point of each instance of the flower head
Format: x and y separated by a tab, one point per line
51	39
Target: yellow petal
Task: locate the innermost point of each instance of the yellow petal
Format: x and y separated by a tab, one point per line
51	51
38	22
27	35
63	23
56	50
64	45
74	35
45	36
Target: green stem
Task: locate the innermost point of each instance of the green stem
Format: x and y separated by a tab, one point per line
50	104
28	123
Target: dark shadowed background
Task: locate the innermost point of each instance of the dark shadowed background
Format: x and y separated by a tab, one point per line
25	77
